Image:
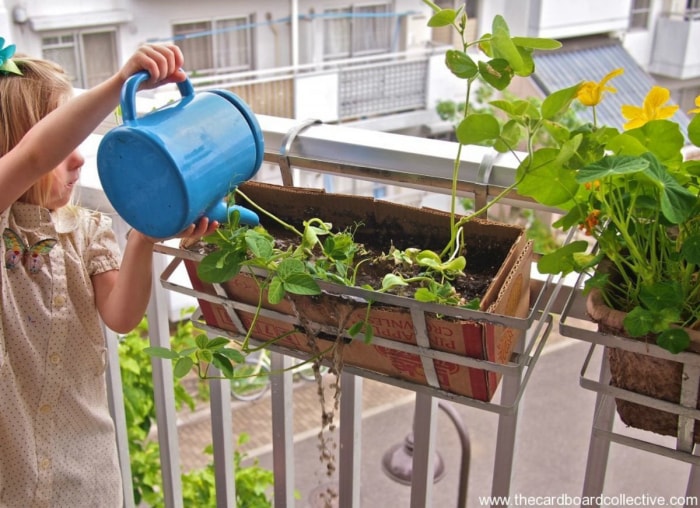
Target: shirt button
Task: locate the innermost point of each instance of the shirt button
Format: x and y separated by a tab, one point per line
55	358
45	409
59	301
45	463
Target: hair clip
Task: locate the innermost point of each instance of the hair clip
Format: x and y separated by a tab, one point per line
7	65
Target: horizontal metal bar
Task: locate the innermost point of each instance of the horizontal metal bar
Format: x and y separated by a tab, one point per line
647	446
331	330
575	331
419	163
494	407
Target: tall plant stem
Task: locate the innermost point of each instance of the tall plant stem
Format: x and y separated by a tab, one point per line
270	215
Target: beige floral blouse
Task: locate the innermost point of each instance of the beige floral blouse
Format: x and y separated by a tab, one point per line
57	441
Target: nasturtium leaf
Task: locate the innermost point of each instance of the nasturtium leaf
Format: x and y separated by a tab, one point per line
609	166
691	249
674	340
661	295
638	322
545	180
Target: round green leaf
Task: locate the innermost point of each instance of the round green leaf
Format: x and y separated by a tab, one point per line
674	339
182	367
478	129
691	249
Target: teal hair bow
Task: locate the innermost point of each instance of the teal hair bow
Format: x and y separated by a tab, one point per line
7	65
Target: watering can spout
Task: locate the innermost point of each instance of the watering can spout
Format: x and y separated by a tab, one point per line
221	213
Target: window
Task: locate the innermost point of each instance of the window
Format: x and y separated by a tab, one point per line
639	15
357	31
692	9
89	57
221	45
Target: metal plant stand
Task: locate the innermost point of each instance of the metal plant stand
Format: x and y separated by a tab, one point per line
602	432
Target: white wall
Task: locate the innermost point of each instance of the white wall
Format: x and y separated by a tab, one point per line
567	18
153	19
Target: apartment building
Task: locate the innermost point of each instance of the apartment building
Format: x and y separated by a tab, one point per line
369	63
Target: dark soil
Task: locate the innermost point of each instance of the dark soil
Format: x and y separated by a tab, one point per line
484	258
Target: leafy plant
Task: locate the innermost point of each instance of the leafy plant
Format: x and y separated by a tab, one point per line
631	192
252	482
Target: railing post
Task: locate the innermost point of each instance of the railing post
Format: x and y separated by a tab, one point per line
350	441
164	390
282	429
115	398
425	417
222	440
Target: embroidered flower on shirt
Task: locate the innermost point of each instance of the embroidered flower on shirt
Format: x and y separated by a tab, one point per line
16	251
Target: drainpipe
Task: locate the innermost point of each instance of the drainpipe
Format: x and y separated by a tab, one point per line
275	36
295	34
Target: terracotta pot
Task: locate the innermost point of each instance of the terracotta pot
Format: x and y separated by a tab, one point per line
641	373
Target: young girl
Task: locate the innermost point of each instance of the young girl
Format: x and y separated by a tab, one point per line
59	276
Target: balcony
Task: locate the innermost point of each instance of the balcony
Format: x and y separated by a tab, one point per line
564	18
673	52
405	86
534	439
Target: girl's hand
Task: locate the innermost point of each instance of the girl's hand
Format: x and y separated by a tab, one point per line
191	235
162	61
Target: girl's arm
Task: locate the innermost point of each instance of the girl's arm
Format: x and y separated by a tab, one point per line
122	295
52	139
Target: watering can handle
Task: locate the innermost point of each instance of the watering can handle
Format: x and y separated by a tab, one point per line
131	86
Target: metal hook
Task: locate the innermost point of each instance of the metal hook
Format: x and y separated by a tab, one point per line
481	196
284	163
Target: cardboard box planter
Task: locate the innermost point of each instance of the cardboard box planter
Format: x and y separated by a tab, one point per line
397	330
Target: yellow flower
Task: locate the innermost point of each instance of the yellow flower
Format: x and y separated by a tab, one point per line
652	109
590	93
697	103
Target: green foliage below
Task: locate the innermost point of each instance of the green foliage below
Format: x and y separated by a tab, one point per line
252	482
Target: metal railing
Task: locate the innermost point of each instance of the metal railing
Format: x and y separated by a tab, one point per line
375	156
415	163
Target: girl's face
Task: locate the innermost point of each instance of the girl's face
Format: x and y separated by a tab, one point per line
64	178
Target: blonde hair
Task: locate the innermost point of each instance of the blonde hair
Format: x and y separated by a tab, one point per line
26	99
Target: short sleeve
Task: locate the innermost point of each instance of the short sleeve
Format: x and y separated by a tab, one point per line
102	253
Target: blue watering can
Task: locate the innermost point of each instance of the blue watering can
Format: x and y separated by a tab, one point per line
167	169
